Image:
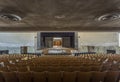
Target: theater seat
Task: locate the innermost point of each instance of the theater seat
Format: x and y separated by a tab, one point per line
4	69
98	76
13	69
69	76
83	76
85	69
24	77
22	69
67	69
54	69
9	77
39	76
54	76
96	68
36	69
112	76
1	77
76	68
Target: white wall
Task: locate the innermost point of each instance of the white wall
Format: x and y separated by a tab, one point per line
17	39
12	41
101	40
98	38
119	39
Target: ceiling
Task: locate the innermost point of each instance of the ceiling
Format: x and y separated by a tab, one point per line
59	15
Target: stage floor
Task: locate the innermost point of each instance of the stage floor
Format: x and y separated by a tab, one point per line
58	51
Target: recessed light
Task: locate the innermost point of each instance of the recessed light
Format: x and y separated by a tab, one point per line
10	17
109	16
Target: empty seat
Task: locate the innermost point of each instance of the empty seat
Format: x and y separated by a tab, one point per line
85	69
44	68
22	69
54	69
115	67
75	68
95	68
35	69
1	77
83	76
13	69
106	67
39	69
54	76
24	77
9	77
39	76
112	76
69	76
98	76
68	69
5	69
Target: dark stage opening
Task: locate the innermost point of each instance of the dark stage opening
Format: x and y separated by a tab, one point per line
68	39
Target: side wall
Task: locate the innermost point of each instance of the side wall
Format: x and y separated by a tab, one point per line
102	41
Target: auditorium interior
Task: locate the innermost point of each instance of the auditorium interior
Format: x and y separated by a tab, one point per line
59	40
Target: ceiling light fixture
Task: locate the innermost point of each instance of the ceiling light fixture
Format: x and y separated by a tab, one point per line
110	16
10	17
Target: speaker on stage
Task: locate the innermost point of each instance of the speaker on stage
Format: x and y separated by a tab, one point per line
23	49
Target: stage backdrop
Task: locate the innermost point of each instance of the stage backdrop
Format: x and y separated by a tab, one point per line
45	39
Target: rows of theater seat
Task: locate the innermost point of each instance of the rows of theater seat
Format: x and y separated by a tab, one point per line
112	76
90	62
50	68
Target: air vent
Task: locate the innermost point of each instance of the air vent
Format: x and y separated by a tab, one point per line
110	16
10	17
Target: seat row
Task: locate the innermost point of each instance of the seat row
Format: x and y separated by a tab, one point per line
51	69
61	68
59	76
